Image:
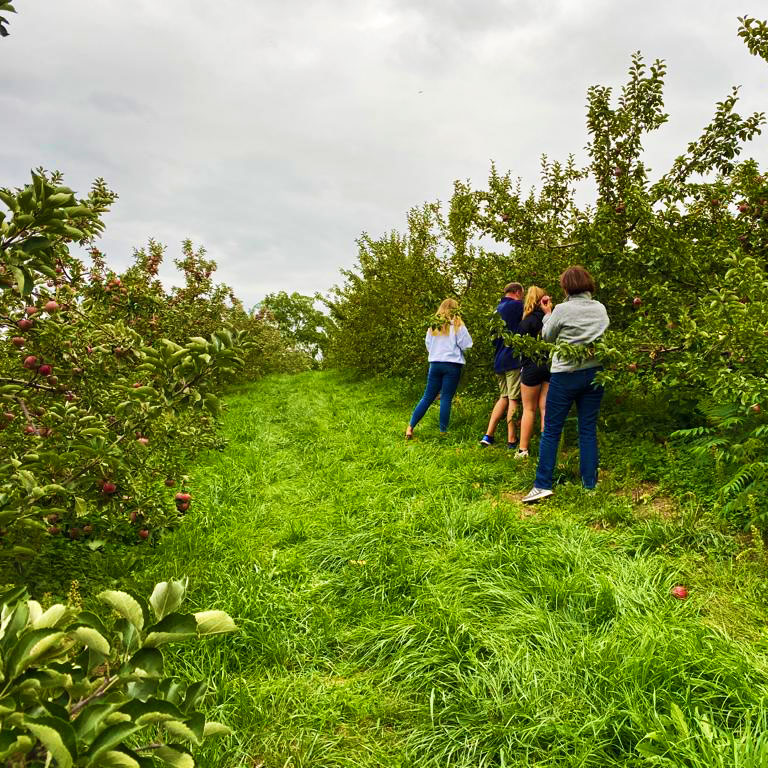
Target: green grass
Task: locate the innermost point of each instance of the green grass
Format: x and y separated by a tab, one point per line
398	606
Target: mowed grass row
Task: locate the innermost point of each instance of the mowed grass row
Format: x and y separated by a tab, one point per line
398	607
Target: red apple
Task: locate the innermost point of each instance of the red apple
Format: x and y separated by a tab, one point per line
30	362
108	488
54	530
25	323
142	440
45	370
30	310
637	301
743	208
51	306
170	482
680	592
30	430
182	506
756	408
18	341
74	533
632	367
183	497
144	533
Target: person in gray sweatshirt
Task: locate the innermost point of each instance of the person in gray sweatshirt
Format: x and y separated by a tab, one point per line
578	320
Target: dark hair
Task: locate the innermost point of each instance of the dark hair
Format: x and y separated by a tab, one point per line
576	279
513	288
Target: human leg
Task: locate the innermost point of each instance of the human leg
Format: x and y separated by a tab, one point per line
588	407
513	389
558	404
434	381
448	388
529	396
497	414
543	402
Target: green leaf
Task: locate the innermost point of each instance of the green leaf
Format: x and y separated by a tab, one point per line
212	728
14	743
214	623
57	737
52	617
175	757
153	710
35	645
24	280
93	639
33	244
127	606
174	627
148	662
115	759
111	737
167	597
190	730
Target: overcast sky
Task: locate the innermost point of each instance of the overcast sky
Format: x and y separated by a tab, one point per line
274	131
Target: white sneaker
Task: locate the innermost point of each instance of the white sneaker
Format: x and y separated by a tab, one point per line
537	494
521	455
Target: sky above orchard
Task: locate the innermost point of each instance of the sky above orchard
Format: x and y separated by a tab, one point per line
275	132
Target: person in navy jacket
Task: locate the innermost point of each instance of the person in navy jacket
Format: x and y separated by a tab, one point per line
507	365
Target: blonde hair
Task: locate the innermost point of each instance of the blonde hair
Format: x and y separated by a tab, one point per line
532	299
448	313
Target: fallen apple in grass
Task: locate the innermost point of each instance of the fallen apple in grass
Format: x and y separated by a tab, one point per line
679	591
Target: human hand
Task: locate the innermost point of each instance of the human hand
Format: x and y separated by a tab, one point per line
546	304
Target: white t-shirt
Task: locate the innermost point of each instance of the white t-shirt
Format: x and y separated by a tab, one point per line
448	348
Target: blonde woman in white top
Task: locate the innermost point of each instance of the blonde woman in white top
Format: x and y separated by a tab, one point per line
445	342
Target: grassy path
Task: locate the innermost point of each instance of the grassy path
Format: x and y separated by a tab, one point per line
399	608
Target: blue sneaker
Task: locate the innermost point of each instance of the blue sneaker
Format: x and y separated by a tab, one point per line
512	446
486	440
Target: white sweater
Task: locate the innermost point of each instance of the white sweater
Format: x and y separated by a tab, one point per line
448	348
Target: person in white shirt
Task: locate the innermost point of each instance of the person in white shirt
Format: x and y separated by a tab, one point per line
445	342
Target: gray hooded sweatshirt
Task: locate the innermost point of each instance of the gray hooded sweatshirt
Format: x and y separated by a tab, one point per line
578	320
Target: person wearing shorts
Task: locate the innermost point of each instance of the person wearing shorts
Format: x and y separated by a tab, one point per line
534	376
507	368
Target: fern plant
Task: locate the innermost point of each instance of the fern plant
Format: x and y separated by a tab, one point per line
737	441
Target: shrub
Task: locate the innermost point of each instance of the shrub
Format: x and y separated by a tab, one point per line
81	690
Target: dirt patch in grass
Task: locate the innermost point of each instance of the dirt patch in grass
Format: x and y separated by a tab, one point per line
516	498
649	502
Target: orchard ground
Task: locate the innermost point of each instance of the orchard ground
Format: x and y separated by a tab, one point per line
398	606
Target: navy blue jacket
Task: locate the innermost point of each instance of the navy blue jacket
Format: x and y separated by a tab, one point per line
511	311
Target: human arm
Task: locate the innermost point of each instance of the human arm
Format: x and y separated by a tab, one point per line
463	339
551	323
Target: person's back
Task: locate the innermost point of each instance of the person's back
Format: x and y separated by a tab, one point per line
511	312
580	319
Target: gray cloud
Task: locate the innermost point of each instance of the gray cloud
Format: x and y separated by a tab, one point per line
275	132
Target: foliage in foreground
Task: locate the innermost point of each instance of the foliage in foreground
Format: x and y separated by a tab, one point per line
80	690
680	259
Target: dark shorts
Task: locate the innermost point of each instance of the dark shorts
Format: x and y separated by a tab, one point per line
534	375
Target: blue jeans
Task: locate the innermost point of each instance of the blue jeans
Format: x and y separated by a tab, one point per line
442	378
564	390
